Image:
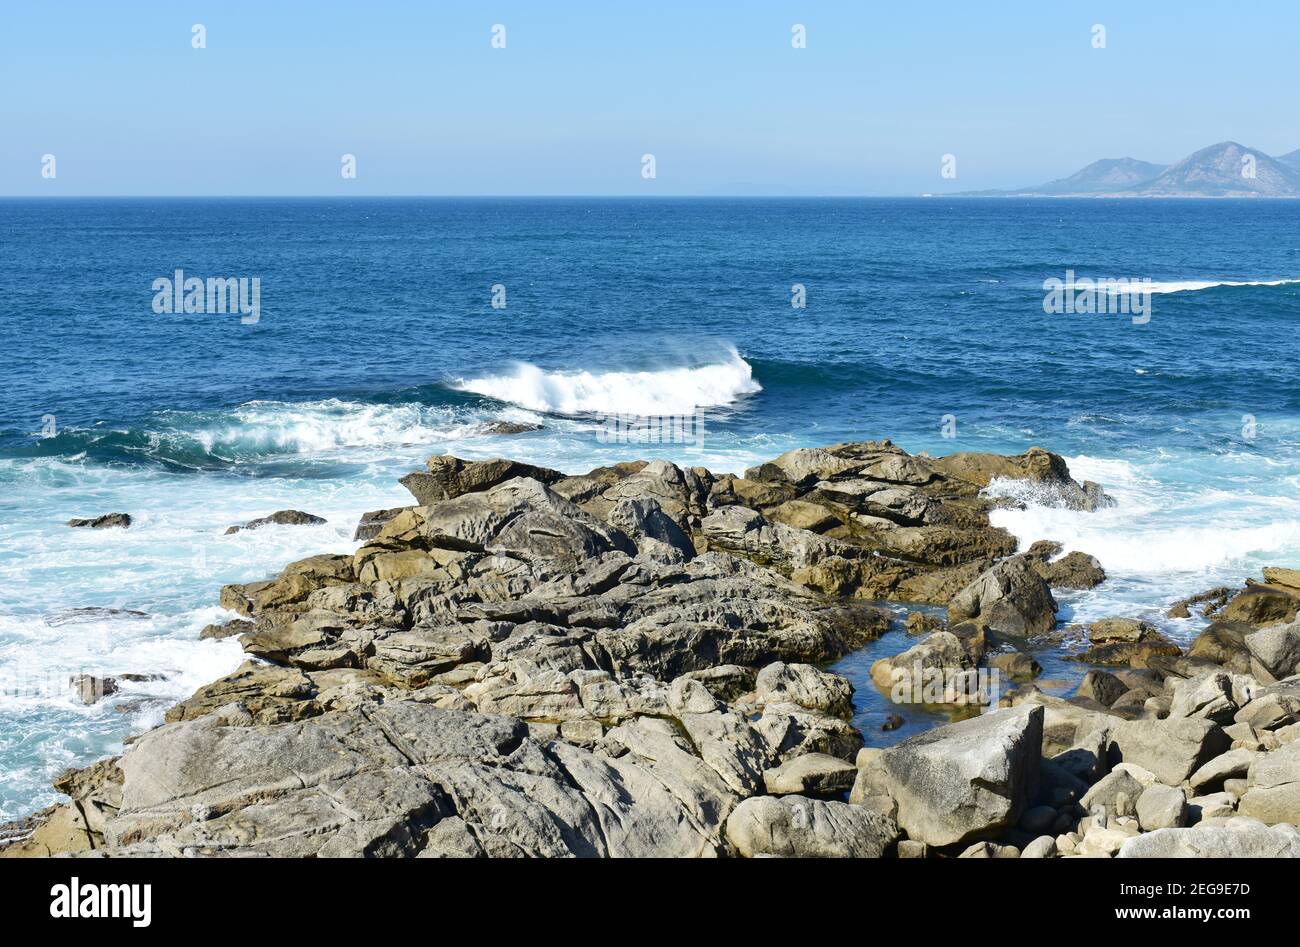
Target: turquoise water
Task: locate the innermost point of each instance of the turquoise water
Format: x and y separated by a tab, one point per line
377	344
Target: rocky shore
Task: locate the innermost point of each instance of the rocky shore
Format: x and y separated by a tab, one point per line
630	662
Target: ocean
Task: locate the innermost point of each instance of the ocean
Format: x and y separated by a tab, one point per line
377	343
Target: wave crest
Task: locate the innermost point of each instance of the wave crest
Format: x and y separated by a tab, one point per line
669	391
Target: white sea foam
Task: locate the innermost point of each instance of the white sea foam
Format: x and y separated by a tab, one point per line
1189	286
1156	530
669	391
312	427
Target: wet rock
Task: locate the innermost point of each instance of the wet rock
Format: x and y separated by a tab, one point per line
1126	641
1076	570
1209	600
279	518
511	427
1261	605
91	690
106	521
77	616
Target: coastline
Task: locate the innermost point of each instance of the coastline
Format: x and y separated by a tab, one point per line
631	663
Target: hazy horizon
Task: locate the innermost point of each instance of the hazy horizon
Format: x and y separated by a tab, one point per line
1018	95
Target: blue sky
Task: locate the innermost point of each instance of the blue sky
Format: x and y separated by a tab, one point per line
1015	90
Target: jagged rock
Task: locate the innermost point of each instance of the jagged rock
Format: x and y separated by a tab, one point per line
1219	838
653	679
279	518
1076	570
371	523
449	477
1009	599
961	781
225	629
806	686
90	689
651	529
1209	697
799	827
1211	600
106	521
1277	649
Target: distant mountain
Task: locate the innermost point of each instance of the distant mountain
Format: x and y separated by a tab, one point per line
1104	177
1291	160
1223	170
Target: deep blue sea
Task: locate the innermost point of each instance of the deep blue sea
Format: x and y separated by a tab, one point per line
377	344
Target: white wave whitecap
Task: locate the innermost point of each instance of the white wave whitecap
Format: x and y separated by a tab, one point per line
1155	532
1190	286
670	391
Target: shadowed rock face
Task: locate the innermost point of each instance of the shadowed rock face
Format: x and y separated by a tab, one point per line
616	664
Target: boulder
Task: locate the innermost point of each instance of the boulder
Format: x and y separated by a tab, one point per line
1077	570
1218	838
1209	697
1009	599
1210	776
652	530
962	781
1277	649
1103	687
813	774
1261	605
1171	749
1273	786
1161	807
799	827
806	686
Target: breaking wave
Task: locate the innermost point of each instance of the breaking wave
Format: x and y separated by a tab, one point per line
669	391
